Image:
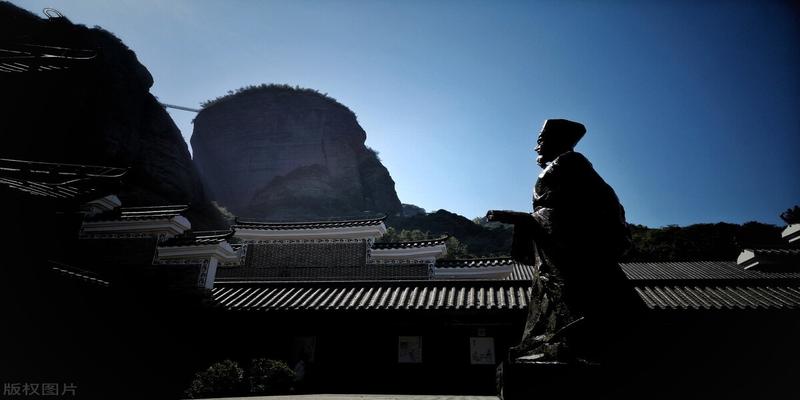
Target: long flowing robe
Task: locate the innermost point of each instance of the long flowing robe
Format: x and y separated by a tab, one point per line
576	235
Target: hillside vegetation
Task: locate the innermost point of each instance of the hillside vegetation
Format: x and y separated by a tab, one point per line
479	238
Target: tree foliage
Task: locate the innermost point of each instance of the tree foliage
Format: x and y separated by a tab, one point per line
698	242
394	235
455	249
222	379
274	87
227	379
467	239
270	377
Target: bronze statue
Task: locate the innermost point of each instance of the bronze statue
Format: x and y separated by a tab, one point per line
574	237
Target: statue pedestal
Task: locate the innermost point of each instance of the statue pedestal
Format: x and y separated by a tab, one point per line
531	379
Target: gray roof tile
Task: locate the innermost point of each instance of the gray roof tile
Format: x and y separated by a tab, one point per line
36	58
59	181
519	272
288	225
409	245
720	297
783	251
698	270
373	296
475	262
141	213
192	238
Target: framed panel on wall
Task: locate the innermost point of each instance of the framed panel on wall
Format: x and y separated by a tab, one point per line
481	350
304	348
409	349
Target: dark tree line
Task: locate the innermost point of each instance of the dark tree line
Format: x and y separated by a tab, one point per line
706	242
699	242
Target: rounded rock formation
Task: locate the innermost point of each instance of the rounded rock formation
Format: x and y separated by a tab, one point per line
278	152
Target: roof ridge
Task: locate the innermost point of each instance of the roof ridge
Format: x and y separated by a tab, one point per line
445	237
181	207
411	243
677	262
189	238
479	259
381	282
19	163
218	232
380	217
477	262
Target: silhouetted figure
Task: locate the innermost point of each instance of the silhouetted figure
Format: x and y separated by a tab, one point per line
574	236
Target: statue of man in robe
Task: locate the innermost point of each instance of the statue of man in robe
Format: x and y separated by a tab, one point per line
574	237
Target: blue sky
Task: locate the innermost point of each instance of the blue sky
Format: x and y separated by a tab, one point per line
691	107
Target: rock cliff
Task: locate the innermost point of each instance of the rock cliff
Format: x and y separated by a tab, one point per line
278	152
95	111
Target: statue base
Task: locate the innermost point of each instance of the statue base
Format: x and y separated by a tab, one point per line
530	378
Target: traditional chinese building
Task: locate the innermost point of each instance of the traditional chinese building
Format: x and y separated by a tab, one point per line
96	296
118	293
370	316
398	312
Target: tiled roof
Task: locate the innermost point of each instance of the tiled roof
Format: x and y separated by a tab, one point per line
661	286
474	263
333	273
78	274
718	285
720	297
777	252
771	260
18	57
153	212
375	296
484	269
283	225
410	245
141	213
191	238
58	181
521	272
792	233
698	270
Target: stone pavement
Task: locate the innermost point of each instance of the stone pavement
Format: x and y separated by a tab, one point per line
364	397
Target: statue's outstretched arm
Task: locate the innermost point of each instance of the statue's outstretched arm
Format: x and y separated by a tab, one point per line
509	217
520	220
527	230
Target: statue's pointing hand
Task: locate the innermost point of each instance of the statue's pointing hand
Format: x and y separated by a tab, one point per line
508	217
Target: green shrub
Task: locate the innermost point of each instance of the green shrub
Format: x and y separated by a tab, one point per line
226	378
270	377
222	379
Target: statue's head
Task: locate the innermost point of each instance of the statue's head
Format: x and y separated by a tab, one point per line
557	137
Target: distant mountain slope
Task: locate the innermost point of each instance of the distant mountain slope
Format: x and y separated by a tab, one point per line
480	241
709	242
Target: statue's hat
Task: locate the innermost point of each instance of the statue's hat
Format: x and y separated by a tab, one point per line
562	131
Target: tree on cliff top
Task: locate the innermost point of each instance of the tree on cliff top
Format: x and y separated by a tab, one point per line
271	87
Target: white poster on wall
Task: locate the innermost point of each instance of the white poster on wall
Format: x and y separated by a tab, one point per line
481	350
409	349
